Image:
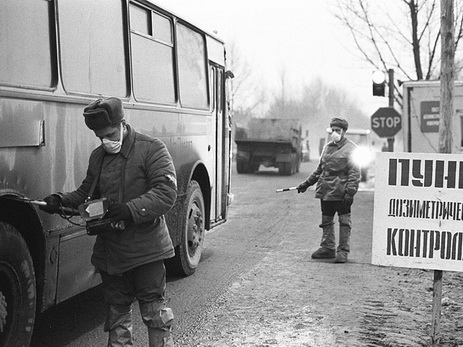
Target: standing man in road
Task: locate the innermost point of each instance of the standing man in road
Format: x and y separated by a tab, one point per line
136	174
337	178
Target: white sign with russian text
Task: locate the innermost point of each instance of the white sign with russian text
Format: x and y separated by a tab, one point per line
418	211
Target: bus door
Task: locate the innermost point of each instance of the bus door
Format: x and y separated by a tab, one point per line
219	197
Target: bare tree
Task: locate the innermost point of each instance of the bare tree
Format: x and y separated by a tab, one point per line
242	100
317	103
402	34
281	105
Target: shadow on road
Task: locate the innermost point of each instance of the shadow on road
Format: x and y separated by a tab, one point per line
64	323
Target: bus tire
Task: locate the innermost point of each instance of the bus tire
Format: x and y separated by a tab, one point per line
188	252
284	169
255	166
363	174
293	163
17	289
242	166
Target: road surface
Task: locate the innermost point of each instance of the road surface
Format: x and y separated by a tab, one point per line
257	285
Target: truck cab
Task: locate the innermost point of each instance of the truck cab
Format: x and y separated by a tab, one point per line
270	142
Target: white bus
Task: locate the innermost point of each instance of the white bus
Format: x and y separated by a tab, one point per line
56	57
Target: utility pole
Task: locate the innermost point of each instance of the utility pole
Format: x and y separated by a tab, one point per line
390	140
447	76
445	133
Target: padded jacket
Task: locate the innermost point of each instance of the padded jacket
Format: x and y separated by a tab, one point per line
149	189
336	174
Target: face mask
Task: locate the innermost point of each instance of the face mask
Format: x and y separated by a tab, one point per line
113	147
336	137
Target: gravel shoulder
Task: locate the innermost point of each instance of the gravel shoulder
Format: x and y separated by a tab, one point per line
289	299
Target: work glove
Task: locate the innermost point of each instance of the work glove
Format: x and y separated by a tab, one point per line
118	211
348	200
53	204
301	188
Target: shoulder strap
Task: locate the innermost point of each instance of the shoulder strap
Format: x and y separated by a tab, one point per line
96	179
121	188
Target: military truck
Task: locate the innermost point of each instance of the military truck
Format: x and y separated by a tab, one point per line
271	142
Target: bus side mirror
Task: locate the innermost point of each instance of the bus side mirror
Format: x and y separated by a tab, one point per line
229	74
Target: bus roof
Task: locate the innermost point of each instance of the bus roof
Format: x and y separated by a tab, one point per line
353	131
183	18
426	83
358	131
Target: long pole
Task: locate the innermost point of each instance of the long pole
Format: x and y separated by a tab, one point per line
447	76
445	134
390	140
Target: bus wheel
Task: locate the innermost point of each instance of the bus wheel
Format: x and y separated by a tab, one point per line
364	175
284	169
17	289
188	253
242	166
255	166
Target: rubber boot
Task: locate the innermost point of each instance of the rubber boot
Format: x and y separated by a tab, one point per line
158	319
345	227
119	325
328	244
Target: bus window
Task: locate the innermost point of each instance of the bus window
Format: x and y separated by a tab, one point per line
192	73
461	131
92	47
25	56
162	28
152	56
140	20
212	87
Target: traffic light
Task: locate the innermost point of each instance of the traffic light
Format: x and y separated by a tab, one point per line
379	83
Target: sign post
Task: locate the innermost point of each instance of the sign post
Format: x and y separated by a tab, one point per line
390	140
386	122
445	132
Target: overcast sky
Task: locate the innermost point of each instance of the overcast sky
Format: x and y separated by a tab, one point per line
300	36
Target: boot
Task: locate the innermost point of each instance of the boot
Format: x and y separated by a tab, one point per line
160	338
328	244
119	325
158	319
345	226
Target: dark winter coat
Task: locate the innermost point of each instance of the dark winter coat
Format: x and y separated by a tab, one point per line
149	189
336	174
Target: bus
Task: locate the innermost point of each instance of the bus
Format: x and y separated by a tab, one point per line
57	56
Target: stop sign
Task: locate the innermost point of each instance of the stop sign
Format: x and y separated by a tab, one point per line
386	122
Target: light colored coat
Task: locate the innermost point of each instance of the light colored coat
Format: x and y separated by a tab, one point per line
337	174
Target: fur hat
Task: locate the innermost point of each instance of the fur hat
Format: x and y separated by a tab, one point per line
102	113
339	122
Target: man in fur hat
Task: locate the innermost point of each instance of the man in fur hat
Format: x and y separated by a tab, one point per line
337	178
136	174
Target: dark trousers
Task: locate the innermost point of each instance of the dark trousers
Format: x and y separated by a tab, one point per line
147	283
329	208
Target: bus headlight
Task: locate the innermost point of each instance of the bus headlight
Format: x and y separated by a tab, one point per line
363	156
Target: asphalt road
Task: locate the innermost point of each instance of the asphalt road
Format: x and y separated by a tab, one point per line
231	249
257	286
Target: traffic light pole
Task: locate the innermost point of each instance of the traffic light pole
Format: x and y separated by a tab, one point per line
390	140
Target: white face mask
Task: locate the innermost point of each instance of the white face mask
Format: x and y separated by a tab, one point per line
111	146
335	136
